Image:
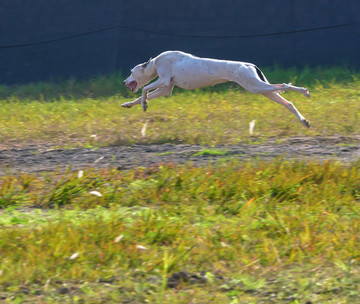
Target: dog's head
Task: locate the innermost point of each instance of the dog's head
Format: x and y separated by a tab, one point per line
141	75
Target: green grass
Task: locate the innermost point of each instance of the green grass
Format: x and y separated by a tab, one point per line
273	232
71	113
242	232
205	151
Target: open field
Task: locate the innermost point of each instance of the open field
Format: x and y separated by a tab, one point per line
63	117
225	217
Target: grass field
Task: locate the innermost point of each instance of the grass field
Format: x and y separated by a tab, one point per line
70	113
231	232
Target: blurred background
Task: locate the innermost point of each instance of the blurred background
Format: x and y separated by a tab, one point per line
50	40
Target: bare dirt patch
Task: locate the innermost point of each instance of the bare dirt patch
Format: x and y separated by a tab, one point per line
35	157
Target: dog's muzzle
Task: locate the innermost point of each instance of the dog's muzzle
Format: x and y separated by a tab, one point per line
132	85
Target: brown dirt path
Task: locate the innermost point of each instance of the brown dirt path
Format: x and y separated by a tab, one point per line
35	158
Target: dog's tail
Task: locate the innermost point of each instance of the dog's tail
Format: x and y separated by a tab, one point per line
260	74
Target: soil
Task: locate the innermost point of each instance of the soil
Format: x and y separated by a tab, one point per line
40	157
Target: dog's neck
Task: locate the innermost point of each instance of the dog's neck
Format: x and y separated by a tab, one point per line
150	69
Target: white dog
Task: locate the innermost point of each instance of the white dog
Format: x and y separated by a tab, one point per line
174	68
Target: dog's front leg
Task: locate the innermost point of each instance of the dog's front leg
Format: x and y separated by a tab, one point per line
158	84
144	100
145	96
131	103
154	94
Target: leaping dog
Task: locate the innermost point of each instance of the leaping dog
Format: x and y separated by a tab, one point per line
174	68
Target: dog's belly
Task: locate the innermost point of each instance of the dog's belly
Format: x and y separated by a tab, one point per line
190	81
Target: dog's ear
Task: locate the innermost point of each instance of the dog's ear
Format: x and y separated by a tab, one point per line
144	65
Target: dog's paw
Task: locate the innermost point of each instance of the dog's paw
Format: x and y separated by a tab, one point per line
306	123
127	105
306	93
144	106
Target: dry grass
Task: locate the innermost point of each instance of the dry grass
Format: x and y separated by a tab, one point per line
250	232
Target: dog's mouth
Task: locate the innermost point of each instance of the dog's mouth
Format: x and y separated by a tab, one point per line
132	85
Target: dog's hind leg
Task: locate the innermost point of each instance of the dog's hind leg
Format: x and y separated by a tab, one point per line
154	94
289	105
256	82
289	87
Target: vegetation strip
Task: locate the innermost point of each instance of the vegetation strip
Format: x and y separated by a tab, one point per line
236	232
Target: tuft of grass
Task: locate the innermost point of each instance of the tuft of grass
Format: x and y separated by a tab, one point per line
207	151
234	232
